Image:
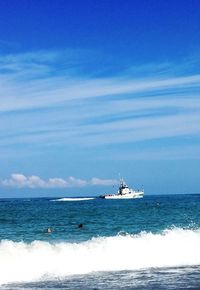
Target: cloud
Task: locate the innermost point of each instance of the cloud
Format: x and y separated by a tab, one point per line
47	99
18	180
44	95
34	80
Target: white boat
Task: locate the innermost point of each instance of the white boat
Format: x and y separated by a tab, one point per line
124	192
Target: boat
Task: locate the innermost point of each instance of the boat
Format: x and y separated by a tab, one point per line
124	192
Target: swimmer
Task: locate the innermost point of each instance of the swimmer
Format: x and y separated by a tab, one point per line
49	230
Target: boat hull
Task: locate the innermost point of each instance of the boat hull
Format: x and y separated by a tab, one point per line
124	196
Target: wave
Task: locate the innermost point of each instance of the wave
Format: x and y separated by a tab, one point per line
39	260
73	198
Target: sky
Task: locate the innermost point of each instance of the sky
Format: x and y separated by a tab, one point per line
93	89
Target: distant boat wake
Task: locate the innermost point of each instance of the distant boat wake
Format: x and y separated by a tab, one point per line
73	198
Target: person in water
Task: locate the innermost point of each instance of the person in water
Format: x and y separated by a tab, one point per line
49	230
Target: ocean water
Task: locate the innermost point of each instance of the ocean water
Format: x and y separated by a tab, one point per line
149	243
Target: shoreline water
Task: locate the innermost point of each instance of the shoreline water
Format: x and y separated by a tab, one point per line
119	240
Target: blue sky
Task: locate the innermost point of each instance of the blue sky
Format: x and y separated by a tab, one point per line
90	89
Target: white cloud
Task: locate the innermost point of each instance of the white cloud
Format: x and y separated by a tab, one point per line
46	87
79	110
54	91
19	180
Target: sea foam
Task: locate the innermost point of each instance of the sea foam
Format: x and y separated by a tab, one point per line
73	198
23	262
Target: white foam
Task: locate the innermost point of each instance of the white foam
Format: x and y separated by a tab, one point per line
20	261
73	198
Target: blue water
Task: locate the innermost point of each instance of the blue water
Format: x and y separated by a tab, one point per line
123	244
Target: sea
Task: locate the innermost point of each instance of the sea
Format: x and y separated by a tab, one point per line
93	243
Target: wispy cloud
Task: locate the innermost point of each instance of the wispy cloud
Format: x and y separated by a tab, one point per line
18	180
47	99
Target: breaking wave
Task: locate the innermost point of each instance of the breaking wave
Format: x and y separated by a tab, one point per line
23	262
